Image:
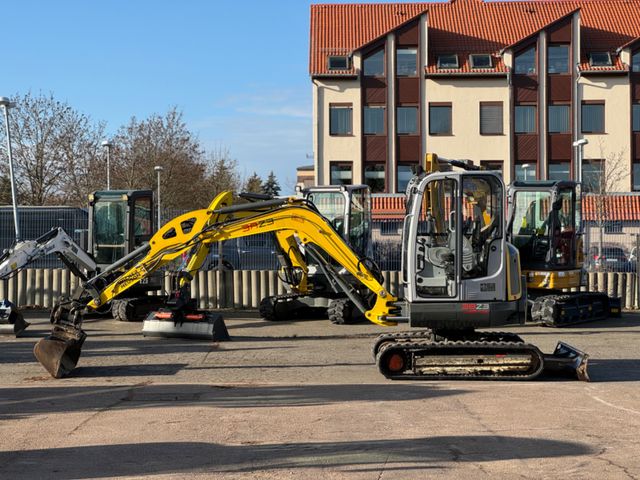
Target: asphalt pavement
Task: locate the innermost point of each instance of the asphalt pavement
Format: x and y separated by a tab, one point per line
304	400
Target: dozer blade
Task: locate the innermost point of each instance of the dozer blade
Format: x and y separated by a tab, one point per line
198	325
568	361
59	352
11	320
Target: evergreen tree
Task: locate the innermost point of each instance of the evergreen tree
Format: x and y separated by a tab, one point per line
253	184
271	186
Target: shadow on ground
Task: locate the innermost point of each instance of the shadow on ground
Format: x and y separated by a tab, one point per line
193	457
25	401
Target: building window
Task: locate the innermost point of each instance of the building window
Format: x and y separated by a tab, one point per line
407	120
340	119
374	64
525	119
447	61
525	62
636	117
374	120
492	165
558	59
559	171
600	59
635	62
405	173
338	62
390	227
525	171
439	119
613	226
406	62
341	173
591	170
481	61
593	118
491	118
374	177
636	176
559	119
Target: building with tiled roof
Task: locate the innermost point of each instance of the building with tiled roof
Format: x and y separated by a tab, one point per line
511	85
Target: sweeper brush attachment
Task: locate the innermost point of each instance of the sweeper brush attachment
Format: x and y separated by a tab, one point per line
59	352
176	324
11	320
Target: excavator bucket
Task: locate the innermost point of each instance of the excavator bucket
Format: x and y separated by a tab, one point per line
11	320
567	361
59	352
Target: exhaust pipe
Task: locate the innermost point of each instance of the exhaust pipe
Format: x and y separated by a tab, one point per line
567	361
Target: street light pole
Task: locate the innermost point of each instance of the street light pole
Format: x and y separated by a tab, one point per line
7	104
158	169
579	144
108	146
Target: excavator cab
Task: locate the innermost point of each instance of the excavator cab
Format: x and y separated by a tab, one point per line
545	226
348	208
458	269
120	221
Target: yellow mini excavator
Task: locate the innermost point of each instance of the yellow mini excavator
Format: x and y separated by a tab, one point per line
458	273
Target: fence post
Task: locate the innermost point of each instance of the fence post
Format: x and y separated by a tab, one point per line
264	285
622	277
255	288
22	288
628	291
612	287
203	297
237	289
212	293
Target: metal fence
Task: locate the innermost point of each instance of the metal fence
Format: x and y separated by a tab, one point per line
611	247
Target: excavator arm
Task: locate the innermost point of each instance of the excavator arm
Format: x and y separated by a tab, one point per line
55	241
192	235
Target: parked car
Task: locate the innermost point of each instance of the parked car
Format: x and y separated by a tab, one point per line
257	252
611	259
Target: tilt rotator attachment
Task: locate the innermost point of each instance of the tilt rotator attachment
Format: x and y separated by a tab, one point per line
11	320
181	318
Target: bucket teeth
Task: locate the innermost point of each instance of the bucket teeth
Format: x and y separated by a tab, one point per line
59	352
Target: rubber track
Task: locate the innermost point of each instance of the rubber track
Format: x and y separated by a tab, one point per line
422	335
410	349
571	309
269	305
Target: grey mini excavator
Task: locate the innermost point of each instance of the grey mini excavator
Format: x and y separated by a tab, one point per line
459	274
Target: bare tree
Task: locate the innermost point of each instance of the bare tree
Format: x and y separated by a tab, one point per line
222	172
606	178
52	145
166	141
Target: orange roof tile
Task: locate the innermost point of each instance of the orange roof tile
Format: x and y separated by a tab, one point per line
618	207
469	26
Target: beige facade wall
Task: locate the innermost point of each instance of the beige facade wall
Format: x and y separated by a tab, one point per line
336	148
615	143
465	95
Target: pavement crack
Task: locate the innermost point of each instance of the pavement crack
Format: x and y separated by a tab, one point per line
126	398
384	466
624	469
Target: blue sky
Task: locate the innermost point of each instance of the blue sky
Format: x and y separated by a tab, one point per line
237	69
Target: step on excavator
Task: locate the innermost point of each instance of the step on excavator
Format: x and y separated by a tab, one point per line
309	288
459	274
119	222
